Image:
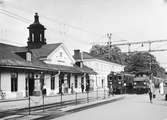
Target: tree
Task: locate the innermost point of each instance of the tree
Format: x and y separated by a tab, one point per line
103	51
144	63
137	63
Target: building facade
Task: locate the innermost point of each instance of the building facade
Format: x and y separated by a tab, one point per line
26	71
100	66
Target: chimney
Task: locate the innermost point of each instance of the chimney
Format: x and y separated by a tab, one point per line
78	56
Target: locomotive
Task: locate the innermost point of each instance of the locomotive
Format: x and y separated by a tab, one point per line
128	83
121	82
140	85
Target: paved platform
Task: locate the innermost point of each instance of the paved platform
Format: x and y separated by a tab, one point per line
54	112
34	101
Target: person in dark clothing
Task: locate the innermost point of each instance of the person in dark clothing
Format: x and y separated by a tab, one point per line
44	90
87	87
82	87
110	92
72	88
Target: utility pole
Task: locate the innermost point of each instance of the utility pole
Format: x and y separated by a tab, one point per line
109	44
150	60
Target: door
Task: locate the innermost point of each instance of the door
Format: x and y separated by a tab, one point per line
31	86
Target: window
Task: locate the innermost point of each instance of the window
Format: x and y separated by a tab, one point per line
40	37
76	81
68	80
14	82
102	83
32	37
28	56
52	82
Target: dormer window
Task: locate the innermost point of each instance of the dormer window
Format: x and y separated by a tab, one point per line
28	56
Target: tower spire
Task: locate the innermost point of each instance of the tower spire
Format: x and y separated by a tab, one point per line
36	18
36	34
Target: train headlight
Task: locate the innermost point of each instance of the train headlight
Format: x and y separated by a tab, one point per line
135	83
144	83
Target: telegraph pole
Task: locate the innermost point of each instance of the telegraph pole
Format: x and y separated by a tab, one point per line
109	44
150	60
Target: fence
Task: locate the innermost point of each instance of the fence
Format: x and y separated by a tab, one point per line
42	102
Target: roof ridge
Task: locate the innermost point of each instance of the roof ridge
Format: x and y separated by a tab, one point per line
100	58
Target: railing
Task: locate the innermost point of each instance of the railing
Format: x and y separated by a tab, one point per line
43	102
62	100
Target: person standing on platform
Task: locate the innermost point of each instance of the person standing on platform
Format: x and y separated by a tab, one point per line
161	88
72	88
151	90
110	90
82	87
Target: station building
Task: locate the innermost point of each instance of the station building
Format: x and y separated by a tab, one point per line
27	70
100	65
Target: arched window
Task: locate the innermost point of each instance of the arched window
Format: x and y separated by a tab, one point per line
40	37
32	37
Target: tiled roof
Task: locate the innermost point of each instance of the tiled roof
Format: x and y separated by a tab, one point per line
8	58
62	68
73	69
88	56
45	50
86	69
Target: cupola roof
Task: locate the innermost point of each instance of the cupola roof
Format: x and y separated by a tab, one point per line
36	23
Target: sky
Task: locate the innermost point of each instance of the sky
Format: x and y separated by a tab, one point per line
78	23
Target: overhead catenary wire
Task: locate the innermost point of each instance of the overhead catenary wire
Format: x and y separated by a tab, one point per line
68	26
14	17
53	20
26	20
65	26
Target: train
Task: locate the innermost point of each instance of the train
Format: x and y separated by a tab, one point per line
127	83
140	85
121	82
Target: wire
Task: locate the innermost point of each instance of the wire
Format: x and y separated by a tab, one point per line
16	15
23	19
63	32
13	17
62	23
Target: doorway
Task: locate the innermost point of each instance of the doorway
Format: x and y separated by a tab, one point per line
31	86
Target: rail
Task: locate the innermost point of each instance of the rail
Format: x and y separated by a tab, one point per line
34	103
